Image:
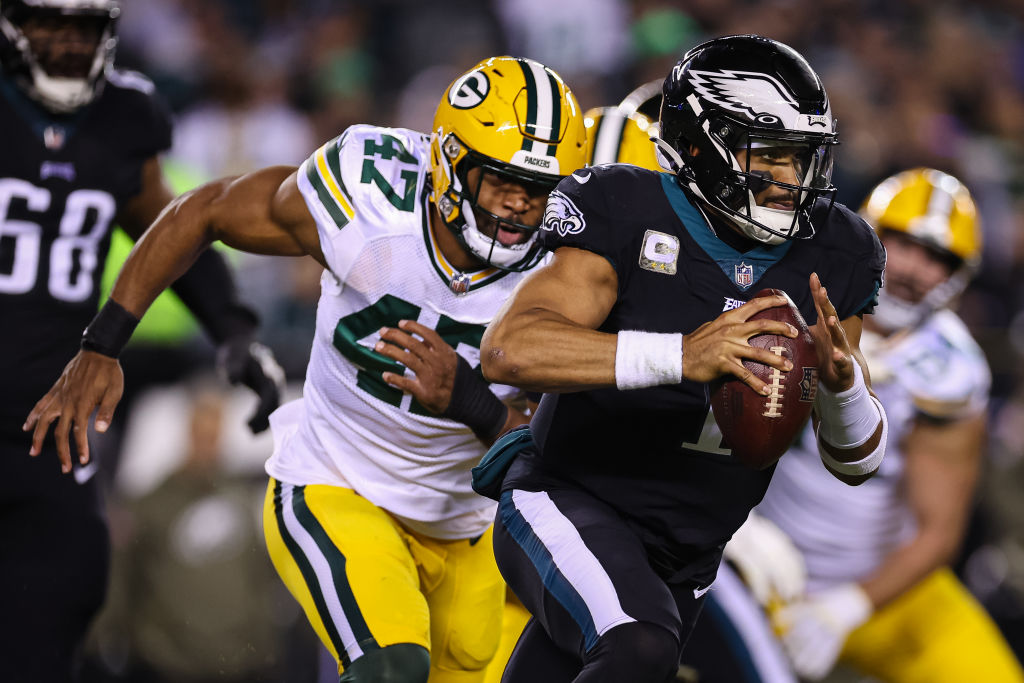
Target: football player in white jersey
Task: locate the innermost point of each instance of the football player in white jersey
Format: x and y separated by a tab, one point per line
863	577
369	517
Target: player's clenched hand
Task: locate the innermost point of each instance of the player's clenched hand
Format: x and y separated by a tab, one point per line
431	358
719	347
89	380
835	358
244	361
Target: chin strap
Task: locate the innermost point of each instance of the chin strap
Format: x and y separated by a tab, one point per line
668	157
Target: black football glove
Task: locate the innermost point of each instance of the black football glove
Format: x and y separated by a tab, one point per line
244	361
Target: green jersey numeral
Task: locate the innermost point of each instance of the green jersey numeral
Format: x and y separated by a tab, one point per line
390	148
387	312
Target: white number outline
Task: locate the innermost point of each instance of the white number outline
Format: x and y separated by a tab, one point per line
28	240
710	439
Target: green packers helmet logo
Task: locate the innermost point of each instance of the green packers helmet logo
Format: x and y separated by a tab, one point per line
469	91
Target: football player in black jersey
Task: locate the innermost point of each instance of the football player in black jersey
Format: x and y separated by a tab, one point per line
80	144
613	515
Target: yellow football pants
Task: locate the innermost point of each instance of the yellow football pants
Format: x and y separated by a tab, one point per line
934	633
366	582
513	621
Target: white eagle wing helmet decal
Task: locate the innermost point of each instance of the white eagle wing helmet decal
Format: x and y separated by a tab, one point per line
758	96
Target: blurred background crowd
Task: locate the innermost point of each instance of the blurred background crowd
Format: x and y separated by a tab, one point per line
260	82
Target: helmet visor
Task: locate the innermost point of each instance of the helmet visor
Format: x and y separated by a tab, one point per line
786	174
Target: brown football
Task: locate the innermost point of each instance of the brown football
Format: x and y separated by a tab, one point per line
759	429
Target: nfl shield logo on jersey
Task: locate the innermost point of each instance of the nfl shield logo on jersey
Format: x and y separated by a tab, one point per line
459	284
744	275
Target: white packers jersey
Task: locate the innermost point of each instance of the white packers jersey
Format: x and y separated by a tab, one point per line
367	190
845	531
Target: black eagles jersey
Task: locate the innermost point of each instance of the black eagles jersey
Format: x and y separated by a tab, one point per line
655	454
63	180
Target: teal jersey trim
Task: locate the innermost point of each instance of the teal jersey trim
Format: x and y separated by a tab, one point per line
743	269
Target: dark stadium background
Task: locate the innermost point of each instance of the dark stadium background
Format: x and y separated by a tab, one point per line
260	82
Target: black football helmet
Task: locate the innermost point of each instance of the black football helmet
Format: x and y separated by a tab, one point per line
61	83
747	93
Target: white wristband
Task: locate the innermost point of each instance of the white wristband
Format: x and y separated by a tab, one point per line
849	418
646	359
865	465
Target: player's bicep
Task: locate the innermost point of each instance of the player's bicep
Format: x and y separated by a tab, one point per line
264	213
577	285
942	464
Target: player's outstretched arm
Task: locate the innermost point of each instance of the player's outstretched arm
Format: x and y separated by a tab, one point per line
208	290
262	212
545	338
851	423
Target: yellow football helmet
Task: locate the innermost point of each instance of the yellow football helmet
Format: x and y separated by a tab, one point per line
937	210
511	116
613	136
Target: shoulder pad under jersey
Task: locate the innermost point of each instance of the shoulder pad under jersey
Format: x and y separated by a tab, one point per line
368	179
942	368
852	249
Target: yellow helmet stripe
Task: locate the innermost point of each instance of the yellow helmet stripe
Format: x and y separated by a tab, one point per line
941	201
556	114
608	137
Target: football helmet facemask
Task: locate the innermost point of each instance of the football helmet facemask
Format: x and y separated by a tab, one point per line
732	98
512	117
936	210
614	137
63	83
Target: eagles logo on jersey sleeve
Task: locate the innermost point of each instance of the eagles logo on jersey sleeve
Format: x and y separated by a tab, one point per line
359	183
577	213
